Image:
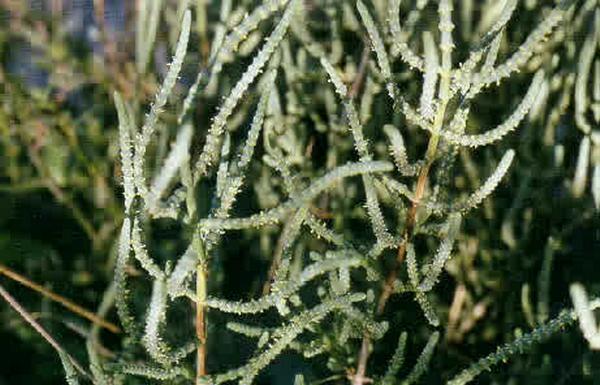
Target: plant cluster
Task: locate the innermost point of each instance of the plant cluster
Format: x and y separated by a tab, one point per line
344	183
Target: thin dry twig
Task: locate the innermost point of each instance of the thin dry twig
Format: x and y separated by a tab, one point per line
4	270
360	75
31	321
59	194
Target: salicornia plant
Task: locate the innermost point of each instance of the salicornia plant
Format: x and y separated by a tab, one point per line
342	179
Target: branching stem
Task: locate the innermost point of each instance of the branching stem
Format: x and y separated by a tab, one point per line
409	228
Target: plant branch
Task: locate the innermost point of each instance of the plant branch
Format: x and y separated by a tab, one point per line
4	270
201	276
31	321
409	228
60	195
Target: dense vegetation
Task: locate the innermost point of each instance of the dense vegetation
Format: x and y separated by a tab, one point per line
299	191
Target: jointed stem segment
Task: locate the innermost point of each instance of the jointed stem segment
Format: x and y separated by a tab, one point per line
410	224
201	276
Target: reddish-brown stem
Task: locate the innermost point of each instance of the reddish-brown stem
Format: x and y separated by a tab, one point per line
201	335
360	75
201	278
31	321
58	298
361	369
388	286
359	377
411	217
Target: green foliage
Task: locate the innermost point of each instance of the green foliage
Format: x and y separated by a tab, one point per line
518	346
304	168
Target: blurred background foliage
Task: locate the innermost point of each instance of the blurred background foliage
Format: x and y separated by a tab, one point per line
61	204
